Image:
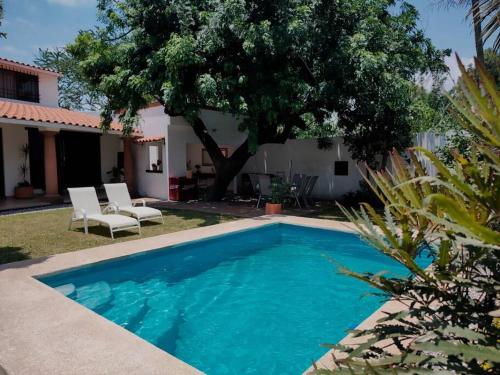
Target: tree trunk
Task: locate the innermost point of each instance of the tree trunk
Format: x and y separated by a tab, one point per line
476	19
226	169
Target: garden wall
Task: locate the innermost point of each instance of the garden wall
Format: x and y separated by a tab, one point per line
303	156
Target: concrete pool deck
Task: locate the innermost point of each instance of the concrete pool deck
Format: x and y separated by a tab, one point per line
43	332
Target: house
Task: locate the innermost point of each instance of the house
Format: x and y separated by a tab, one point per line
68	148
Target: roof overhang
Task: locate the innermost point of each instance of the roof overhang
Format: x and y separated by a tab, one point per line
26	68
55	126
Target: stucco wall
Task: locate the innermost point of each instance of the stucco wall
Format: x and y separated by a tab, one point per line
306	158
153	185
153	121
222	127
431	142
110	146
48	90
14	136
194	151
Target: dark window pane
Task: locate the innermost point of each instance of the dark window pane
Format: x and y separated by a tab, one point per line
19	86
341	168
8	84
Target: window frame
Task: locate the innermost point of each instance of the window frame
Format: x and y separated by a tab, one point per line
23	86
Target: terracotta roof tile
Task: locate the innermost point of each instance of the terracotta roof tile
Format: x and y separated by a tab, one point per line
28	66
155	138
38	113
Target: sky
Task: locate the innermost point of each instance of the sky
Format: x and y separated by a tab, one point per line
34	24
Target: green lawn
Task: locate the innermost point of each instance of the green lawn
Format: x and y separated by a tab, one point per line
43	233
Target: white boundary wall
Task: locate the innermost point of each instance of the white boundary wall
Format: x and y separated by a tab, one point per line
304	157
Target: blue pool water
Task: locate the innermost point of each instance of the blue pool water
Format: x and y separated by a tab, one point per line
260	301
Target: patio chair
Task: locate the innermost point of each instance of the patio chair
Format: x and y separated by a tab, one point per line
309	189
86	207
119	199
254	180
297	188
264	187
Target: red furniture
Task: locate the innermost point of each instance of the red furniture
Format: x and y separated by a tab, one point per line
182	188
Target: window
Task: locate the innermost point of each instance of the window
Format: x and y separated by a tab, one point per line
19	86
155	158
341	168
206	160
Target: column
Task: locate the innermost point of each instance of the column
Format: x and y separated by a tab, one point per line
50	163
128	164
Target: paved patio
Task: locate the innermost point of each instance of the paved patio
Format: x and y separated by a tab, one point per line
238	208
244	208
10	204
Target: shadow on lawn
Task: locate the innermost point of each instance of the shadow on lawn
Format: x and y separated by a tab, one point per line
15	257
12	254
103	231
207	218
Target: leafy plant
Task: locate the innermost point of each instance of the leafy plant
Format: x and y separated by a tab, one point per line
278	191
23	168
450	325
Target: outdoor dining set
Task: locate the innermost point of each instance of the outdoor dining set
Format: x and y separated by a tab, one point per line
297	189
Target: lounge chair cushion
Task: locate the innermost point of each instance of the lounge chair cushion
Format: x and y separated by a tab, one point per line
114	221
141	212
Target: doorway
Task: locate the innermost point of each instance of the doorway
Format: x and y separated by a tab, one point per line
79	159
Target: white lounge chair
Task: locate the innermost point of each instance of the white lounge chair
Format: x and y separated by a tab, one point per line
86	207
119	199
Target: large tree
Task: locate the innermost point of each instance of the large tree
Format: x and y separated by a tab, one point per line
271	63
2	34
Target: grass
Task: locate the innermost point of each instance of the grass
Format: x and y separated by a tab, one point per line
43	233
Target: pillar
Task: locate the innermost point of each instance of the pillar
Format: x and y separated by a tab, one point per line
50	163
128	164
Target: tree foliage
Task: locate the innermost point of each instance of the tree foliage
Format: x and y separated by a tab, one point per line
451	325
2	34
74	92
272	64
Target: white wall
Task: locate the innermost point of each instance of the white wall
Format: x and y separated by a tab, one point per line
48	90
148	184
306	158
194	151
153	121
431	142
14	137
222	127
110	146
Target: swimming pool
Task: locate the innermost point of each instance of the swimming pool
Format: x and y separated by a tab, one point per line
250	302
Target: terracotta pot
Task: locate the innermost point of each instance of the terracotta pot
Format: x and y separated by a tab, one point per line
273	208
23	192
189	174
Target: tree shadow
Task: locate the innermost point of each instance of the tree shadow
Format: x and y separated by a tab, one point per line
145	224
207	218
15	257
103	231
10	254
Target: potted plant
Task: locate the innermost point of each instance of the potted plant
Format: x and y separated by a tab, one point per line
275	206
189	170
24	189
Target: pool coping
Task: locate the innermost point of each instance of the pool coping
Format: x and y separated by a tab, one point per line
41	330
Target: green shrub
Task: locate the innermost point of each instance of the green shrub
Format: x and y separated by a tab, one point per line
451	324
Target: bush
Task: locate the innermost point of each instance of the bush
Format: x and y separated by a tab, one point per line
451	324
